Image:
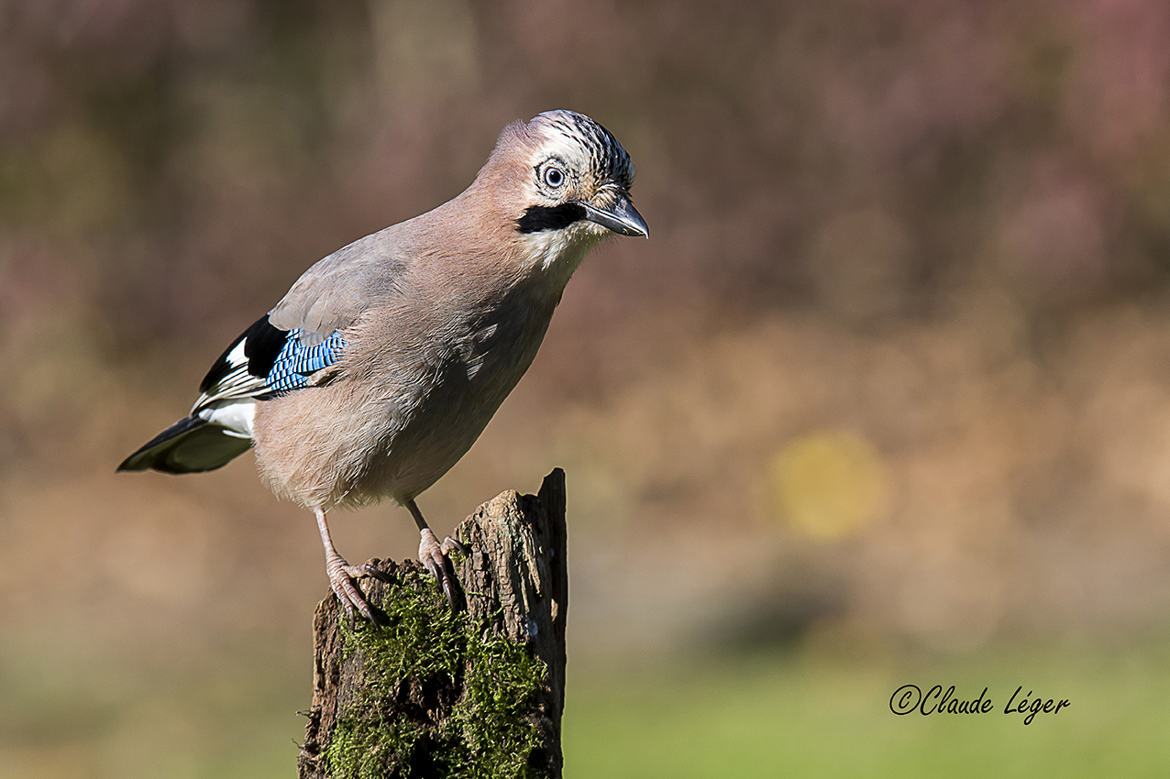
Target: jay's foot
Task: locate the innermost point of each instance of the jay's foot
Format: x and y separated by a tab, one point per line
436	558
343	579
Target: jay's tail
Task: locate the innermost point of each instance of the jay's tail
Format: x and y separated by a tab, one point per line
191	445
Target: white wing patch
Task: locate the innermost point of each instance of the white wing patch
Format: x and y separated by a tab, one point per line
235	418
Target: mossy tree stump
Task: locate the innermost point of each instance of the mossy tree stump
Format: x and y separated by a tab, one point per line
433	693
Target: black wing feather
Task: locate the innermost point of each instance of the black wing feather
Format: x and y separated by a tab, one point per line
262	343
190	445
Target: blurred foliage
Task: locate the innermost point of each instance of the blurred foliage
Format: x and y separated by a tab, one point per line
892	366
830	483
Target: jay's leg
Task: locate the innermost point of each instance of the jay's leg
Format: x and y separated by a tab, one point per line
342	575
434	555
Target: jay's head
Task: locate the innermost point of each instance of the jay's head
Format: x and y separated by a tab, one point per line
568	180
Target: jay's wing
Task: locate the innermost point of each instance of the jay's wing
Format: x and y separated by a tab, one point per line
296	344
266	361
263	362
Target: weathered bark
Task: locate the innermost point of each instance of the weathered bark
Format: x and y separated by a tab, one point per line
515	582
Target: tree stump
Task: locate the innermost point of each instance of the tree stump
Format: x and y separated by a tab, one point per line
432	693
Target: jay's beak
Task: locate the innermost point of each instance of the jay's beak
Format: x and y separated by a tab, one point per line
622	217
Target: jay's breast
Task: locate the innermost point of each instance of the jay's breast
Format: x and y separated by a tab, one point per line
453	397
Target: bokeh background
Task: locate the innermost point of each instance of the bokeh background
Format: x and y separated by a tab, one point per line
885	398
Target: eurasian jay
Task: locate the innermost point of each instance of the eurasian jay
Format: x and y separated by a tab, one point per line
383	363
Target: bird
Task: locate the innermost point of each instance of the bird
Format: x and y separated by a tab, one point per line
385	360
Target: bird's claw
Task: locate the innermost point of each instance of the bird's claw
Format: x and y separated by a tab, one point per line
343	581
367	570
453	545
436	558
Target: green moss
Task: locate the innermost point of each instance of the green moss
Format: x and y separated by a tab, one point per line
369	749
483	734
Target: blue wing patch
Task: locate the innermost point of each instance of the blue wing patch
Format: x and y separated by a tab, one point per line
295	362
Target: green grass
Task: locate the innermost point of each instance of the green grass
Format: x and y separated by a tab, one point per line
792	716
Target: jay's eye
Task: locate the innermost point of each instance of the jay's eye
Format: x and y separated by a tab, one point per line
554	176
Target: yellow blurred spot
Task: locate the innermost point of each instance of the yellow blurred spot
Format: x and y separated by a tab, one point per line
829	484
